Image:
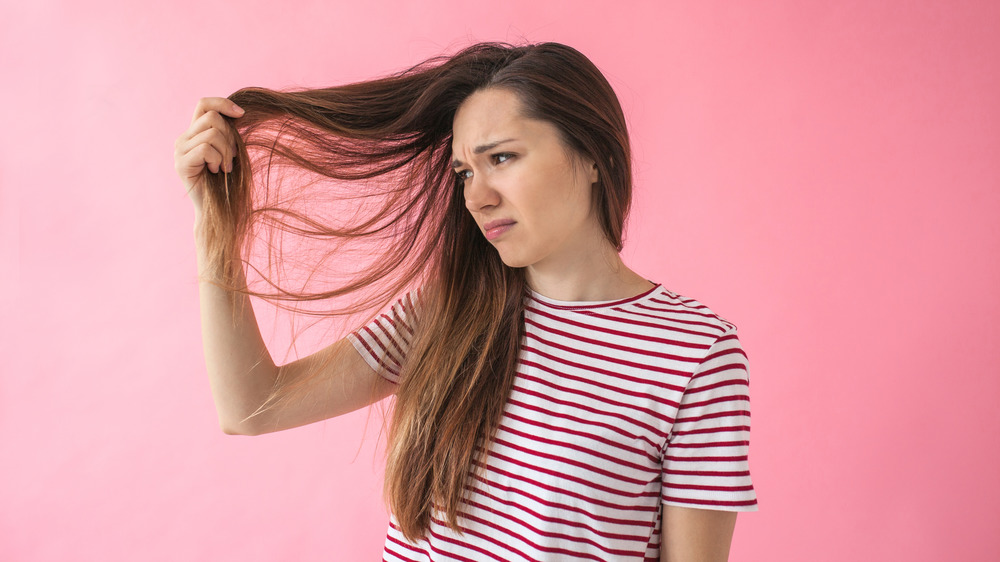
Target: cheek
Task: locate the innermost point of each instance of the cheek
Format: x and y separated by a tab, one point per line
553	197
576	198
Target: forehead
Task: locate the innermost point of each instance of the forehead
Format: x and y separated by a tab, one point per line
485	116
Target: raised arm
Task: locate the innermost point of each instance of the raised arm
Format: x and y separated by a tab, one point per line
242	374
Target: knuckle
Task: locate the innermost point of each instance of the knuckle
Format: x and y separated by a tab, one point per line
201	151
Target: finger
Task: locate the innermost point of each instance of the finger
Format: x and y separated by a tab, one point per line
225	136
214	160
212	120
213	138
203	123
220	105
200	157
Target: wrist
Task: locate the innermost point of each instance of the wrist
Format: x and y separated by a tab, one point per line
199	221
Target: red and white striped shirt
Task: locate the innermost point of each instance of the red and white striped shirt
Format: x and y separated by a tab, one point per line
617	407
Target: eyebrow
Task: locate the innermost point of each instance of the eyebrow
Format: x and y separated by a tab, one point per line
481	149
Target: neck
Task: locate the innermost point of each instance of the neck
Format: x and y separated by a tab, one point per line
586	275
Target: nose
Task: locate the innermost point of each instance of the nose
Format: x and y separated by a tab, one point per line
479	194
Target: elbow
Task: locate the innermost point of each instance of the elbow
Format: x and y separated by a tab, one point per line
237	427
232	430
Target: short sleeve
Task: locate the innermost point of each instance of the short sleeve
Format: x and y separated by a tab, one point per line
706	458
383	341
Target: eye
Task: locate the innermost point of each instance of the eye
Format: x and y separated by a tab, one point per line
463	174
501	157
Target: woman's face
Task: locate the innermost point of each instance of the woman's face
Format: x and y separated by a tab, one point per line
530	198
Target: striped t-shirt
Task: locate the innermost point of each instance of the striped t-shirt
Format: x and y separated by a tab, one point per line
617	407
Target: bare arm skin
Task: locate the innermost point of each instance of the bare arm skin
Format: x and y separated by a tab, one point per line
242	373
240	369
696	535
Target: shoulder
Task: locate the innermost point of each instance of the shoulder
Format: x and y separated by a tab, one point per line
659	326
407	305
684	313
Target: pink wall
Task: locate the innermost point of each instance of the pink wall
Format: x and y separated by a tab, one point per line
824	174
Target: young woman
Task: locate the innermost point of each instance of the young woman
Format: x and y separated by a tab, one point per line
549	402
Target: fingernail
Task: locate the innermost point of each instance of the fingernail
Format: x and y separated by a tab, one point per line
238	109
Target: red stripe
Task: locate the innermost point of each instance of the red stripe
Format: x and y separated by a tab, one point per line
548	534
567	445
584	434
608	345
707	488
597	397
739	363
627	335
710	502
716	327
486	537
706	472
389	538
607	474
576	554
713	415
681	308
678	300
615	360
690	405
674	458
406	307
563	476
586	421
618	388
713	430
391	337
608	425
659	324
720	384
376	356
710	445
563	491
562	522
556	506
623	417
728	337
451	556
592	306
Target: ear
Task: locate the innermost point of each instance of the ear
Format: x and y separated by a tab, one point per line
593	172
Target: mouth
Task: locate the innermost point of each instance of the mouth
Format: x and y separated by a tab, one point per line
495	228
494	224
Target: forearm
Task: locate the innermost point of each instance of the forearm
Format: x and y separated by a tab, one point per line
240	369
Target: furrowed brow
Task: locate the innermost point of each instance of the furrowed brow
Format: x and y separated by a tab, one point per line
479	150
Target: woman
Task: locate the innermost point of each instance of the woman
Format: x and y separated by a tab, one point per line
550	402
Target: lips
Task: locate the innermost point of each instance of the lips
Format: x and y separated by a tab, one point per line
493	224
497	227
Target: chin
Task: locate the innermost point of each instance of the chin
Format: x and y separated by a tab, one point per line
514	261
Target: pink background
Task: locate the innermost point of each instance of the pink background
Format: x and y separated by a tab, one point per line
824	174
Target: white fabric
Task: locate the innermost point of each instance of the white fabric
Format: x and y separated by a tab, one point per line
617	407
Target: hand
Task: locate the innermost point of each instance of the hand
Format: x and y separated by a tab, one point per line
208	143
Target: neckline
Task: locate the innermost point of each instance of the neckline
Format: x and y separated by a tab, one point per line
578	305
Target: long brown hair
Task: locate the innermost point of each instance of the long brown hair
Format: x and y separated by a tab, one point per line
393	136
